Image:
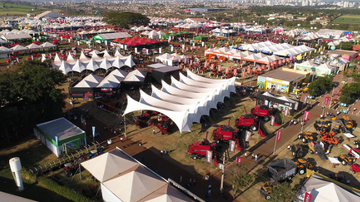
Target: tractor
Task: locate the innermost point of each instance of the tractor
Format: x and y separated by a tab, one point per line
163	123
198	150
226	133
349	123
297	150
263	111
346	159
247	120
307	136
355	168
142	120
316	148
322	124
266	189
302	164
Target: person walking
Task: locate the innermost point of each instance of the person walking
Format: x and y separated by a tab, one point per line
153	131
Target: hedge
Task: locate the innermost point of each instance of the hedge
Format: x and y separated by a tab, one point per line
63	191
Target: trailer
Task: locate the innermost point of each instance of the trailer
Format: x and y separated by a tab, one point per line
281	170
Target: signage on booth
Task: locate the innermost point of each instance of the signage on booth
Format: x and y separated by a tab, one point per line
306	115
307	197
239	159
326	100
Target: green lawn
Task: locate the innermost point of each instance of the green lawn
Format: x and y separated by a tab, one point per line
19	10
347	19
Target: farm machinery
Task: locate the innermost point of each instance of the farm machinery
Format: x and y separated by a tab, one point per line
349	123
142	120
163	123
316	148
302	164
296	150
346	159
199	150
226	133
329	137
357	143
247	121
263	111
307	136
322	124
267	188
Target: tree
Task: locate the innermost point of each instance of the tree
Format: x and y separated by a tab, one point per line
283	193
29	95
349	93
239	177
125	19
345	45
320	85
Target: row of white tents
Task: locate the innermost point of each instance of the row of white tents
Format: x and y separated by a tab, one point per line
185	100
112	80
95	62
124	179
170	59
283	49
26	48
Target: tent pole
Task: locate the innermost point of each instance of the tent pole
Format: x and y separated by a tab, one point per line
124	127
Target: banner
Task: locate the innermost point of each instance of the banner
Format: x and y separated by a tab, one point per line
272	120
307	197
286	111
326	100
278	135
248	135
93	131
306	115
239	159
305	99
232	144
209	156
296	105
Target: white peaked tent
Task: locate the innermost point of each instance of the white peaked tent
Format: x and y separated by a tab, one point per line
92	65
135	76
117	62
83	58
167	58
70	59
64	67
57	60
140	183
96	57
323	190
196	95
107	55
33	46
78	67
129	61
113	80
154	35
166	193
47	45
19	48
90	81
108	165
105	64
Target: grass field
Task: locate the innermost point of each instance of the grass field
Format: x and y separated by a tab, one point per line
347	19
19	10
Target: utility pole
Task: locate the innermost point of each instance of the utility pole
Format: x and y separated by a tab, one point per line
124	127
222	175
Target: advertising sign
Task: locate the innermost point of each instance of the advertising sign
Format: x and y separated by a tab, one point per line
306	115
239	159
286	111
209	156
248	135
326	100
307	197
232	145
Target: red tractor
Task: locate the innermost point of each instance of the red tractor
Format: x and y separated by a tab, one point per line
226	133
247	120
198	150
263	111
163	123
142	120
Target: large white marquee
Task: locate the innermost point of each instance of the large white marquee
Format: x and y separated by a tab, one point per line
185	100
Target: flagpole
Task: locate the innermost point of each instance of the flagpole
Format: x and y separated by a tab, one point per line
275	144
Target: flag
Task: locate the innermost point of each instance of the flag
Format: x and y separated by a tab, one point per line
209	155
243	73
278	135
286	111
272	120
247	136
232	144
239	159
307	197
306	115
296	105
326	100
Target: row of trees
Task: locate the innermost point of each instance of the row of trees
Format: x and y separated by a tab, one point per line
125	19
29	95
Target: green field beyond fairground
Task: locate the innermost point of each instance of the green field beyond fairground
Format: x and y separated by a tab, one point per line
347	19
7	9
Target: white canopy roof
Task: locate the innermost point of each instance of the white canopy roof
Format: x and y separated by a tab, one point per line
135	76
109	165
19	48
78	67
90	81
57	60
184	101
64	67
92	65
323	190
70	59
166	193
